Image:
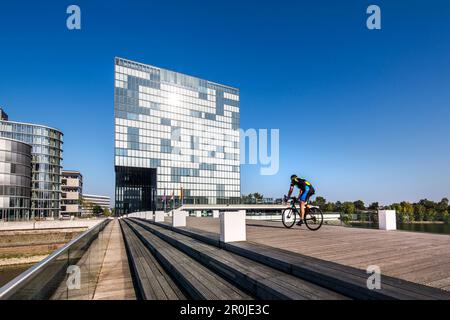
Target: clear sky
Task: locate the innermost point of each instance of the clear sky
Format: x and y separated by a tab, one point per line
362	114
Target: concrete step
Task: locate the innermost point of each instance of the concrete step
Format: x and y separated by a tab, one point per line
260	280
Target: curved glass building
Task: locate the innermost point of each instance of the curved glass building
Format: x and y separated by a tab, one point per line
46	152
15	180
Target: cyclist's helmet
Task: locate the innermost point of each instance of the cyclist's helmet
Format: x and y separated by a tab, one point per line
293	176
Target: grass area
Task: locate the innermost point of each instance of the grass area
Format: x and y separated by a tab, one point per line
4	256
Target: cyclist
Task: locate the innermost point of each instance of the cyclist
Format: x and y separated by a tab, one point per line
306	191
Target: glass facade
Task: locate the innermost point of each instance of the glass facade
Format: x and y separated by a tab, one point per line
46	164
184	127
15	180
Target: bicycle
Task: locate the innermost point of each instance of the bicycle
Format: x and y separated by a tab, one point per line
313	216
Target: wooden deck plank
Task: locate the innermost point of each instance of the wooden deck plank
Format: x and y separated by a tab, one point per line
115	280
423	257
154	282
243	269
206	283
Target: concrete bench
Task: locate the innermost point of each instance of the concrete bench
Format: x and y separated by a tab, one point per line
387	220
232	226
159	216
179	218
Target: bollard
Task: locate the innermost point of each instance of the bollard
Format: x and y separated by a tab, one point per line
387	220
215	213
179	218
159	216
232	226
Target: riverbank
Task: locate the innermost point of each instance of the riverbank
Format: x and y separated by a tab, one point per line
9	261
19	247
9	272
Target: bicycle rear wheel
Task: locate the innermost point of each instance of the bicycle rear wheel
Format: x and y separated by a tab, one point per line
288	217
313	219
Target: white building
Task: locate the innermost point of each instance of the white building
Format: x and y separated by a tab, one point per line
90	201
71	191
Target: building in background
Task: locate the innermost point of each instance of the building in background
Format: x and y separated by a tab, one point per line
71	192
46	153
268	201
90	201
173	132
15	180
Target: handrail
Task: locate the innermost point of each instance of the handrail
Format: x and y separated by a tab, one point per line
21	280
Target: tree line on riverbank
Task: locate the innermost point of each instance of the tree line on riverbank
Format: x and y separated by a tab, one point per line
424	210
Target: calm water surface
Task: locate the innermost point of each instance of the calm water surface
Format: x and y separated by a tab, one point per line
442	228
8	273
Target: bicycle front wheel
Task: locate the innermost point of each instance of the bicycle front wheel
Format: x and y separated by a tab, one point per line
288	217
313	219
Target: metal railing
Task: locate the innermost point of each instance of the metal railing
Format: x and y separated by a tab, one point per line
70	272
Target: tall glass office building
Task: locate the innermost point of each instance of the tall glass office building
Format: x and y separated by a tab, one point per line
46	164
173	132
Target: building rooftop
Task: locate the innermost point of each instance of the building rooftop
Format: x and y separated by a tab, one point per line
95	196
70	172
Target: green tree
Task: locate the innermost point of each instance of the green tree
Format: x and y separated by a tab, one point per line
428	204
373	206
430	215
440	215
258	196
348	208
97	210
442	205
419	212
329	207
446	217
399	213
407	211
359	205
321	202
106	212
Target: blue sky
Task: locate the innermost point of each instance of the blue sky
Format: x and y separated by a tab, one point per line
363	114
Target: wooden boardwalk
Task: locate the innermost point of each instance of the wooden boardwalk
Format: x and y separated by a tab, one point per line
417	257
115	282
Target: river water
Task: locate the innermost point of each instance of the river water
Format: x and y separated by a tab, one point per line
441	228
7	273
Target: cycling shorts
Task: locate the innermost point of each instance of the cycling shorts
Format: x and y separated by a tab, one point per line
306	194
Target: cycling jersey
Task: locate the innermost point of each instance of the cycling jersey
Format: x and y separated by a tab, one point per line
302	184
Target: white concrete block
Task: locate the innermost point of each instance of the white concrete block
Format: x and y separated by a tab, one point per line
198	213
232	226
179	218
215	213
159	216
387	220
